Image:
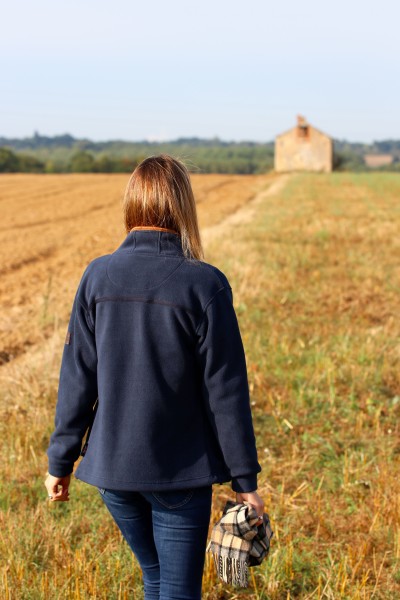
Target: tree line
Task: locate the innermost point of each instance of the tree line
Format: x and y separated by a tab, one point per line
80	162
66	154
212	160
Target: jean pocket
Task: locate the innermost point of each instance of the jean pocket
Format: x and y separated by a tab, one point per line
173	498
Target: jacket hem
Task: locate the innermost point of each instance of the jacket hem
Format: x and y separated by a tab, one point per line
111	484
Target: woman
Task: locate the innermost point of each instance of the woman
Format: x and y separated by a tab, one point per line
154	343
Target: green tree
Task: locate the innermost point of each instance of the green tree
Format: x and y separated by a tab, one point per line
104	164
81	162
9	162
30	164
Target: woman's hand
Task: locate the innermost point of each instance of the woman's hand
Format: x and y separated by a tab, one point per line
57	488
252	498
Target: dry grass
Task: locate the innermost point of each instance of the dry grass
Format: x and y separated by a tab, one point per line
53	225
315	278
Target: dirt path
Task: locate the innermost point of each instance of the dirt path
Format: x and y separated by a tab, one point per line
246	213
226	202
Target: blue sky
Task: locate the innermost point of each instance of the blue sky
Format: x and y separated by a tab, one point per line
237	70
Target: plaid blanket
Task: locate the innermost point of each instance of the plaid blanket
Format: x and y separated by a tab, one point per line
238	542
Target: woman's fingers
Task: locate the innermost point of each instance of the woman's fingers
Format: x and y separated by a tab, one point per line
58	488
253	499
60	499
259	508
61	495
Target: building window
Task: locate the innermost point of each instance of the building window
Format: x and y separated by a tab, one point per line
303	131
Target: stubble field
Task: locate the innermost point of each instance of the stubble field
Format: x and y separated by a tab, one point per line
313	261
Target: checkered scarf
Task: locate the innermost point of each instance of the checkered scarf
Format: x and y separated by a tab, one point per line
237	542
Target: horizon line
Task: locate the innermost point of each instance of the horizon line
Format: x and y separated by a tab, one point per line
153	140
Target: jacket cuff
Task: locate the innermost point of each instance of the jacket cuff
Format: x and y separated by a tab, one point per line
245	484
57	470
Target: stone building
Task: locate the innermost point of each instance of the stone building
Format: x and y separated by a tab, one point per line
303	148
378	160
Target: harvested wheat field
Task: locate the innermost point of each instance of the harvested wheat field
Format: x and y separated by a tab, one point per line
314	263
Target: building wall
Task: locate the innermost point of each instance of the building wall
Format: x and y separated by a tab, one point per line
303	149
378	160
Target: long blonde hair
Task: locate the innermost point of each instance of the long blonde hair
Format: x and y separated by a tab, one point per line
159	194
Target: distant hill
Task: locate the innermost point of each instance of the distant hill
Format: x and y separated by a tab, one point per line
64	153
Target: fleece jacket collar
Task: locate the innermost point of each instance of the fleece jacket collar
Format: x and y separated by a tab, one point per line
152	240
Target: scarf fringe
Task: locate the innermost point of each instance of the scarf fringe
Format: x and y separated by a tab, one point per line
231	570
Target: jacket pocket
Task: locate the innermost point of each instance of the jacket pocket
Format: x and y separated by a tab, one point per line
173	498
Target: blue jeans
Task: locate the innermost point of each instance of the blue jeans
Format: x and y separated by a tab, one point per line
167	531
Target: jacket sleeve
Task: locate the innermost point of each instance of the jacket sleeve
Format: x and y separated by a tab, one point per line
77	392
222	361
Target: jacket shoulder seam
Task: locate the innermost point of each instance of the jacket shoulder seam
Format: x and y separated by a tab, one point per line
87	315
215	272
208	304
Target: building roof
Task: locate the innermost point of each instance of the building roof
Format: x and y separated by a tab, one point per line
302	122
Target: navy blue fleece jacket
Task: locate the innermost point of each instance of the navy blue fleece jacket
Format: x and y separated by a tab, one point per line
155	338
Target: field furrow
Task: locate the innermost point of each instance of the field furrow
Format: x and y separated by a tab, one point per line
314	264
